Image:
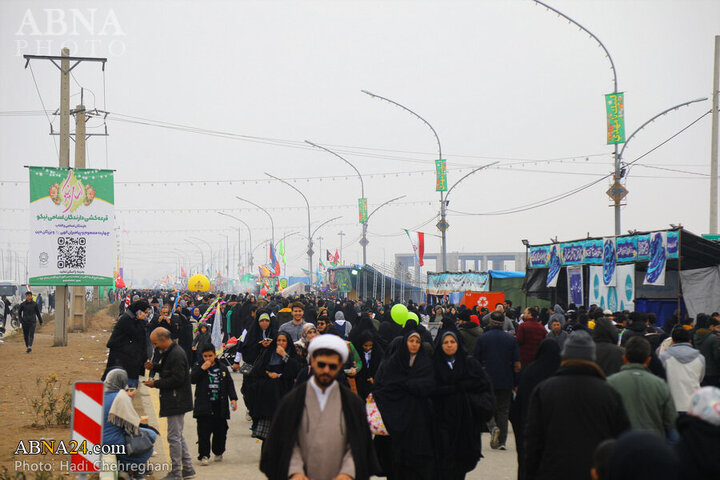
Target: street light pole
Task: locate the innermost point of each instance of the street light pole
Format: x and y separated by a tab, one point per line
227	255
442	226
623	172
250	256
364	221
211	252
272	224
617	175
202	256
310	242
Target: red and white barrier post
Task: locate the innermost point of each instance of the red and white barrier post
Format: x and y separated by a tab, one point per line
86	430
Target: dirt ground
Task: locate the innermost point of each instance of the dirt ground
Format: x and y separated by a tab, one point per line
83	359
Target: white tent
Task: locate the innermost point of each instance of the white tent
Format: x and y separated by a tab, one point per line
294	289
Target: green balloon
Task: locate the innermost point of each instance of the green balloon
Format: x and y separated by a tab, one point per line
413	316
399	314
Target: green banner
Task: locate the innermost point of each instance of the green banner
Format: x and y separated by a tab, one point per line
362	210
615	107
72	235
441	183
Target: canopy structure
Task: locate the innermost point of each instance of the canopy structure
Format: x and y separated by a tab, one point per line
455	284
658	271
367	281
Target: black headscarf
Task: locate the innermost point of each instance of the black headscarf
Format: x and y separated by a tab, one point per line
251	347
396	379
138	305
639	455
270	357
443	373
358	332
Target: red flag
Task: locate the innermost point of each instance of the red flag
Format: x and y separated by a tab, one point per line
182	272
337	256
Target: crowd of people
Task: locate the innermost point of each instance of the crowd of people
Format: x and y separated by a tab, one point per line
589	393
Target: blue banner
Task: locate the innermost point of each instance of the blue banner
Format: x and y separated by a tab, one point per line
643	247
673	244
593	254
572	253
626	249
539	257
554	268
609	262
575	285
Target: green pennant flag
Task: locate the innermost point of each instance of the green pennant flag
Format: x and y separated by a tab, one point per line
282	251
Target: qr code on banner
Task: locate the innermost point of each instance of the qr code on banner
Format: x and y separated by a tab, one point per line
71	252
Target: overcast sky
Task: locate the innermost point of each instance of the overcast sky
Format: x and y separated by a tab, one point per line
500	81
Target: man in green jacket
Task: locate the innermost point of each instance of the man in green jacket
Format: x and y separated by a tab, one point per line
646	397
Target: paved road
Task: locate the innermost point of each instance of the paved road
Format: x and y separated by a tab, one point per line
243	452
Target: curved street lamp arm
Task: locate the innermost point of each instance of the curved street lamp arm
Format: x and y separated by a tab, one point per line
362	184
654	118
272	224
383	204
261	243
323	224
291	186
607	53
467	175
238	219
283	238
437	138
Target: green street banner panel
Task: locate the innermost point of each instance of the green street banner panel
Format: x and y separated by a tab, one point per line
615	107
362	209
441	176
71	226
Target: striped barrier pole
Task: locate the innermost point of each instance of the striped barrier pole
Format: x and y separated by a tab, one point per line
86	430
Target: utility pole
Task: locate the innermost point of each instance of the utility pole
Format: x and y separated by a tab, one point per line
61	306
341	235
714	140
61	301
77	295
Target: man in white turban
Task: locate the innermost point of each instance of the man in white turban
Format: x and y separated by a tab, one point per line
320	416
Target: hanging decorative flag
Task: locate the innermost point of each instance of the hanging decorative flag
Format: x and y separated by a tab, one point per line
609	259
417	239
615	108
441	176
182	272
655	274
274	263
216	335
282	251
554	268
575	285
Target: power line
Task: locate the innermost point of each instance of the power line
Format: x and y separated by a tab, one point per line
556	198
37	89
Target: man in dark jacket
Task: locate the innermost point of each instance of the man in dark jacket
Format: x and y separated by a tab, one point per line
498	353
609	356
175	399
29	311
214	387
469	331
570	414
636	327
128	342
